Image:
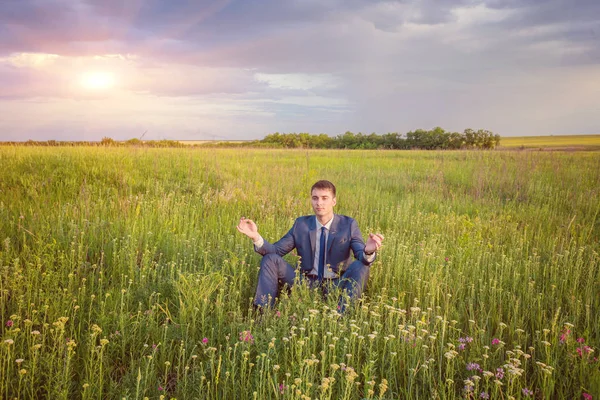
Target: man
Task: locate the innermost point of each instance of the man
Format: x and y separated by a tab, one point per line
324	242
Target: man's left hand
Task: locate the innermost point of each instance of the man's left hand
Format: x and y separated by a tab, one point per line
373	243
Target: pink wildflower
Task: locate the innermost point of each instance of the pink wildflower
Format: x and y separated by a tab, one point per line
495	341
277	314
246	336
587	396
282	388
462	346
204	340
565	335
160	388
9	323
580	340
473	367
499	373
527	392
583	350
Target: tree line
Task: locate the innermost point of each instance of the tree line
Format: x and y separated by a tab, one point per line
434	139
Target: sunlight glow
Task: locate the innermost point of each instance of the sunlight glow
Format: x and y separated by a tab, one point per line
97	80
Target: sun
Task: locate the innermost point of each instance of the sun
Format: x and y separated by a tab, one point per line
97	80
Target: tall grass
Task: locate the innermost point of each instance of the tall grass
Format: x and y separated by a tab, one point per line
122	275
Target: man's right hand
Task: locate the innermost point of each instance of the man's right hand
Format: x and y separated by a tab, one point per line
248	228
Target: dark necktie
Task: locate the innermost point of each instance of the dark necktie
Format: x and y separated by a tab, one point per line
321	271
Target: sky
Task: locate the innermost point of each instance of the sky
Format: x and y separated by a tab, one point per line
242	69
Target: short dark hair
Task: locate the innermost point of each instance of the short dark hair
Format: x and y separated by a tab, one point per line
323	185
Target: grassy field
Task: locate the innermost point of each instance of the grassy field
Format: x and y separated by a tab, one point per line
122	276
566	142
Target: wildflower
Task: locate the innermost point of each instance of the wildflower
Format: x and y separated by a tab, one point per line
282	388
495	341
19	361
584	350
23	371
564	335
278	314
462	346
204	340
103	342
160	388
499	373
580	340
35	333
473	367
246	336
488	374
527	392
484	395
351	375
587	396
9	323
450	354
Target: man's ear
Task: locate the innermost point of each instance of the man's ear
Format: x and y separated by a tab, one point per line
334	201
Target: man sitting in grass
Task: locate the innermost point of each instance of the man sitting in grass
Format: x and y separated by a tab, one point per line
325	243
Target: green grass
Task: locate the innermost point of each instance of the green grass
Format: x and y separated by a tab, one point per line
568	142
122	275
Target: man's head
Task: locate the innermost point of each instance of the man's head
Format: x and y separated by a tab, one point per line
322	197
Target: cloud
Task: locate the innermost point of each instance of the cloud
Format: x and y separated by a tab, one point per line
328	65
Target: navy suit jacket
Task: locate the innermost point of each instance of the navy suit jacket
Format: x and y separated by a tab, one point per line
344	240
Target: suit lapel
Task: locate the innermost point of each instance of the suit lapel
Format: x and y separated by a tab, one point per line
312	234
332	233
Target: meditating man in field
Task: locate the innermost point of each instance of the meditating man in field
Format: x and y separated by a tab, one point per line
324	243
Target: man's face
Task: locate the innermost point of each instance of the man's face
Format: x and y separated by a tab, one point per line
322	201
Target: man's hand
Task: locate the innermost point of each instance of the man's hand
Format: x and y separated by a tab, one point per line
248	228
373	243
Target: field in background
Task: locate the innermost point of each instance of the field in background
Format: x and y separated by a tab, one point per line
193	142
565	142
122	275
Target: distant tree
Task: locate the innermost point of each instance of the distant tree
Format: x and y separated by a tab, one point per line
134	142
106	141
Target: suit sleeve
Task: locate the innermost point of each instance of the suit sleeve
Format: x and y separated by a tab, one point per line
358	245
283	246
